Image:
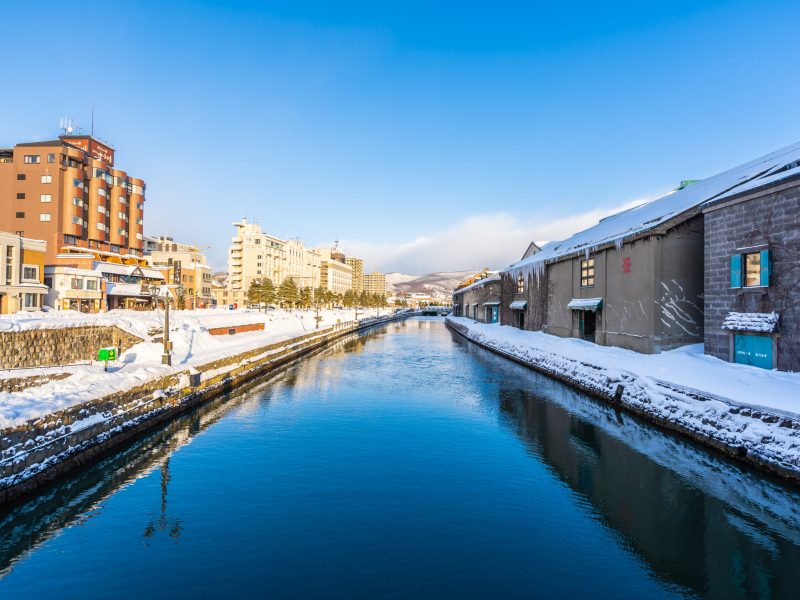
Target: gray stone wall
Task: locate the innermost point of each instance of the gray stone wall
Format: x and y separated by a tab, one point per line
534	293
771	218
51	347
488	292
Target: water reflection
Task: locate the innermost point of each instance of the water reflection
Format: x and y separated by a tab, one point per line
699	520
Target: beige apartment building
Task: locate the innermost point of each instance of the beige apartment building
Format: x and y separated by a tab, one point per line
302	265
22	278
375	283
257	255
335	274
68	192
357	265
184	267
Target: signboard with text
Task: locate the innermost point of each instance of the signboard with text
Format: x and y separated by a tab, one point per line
93	147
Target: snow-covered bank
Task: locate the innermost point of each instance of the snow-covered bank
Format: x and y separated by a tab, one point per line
192	345
748	412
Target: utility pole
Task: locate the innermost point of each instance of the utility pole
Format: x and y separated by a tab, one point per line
166	357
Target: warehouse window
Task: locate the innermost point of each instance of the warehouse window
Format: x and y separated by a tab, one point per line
750	269
520	284
587	272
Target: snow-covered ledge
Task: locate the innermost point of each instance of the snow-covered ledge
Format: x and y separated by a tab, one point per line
750	413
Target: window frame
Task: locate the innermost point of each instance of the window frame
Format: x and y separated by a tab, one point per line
34	268
588	272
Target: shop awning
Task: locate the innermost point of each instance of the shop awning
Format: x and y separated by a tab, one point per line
752	322
585	303
518	305
491	303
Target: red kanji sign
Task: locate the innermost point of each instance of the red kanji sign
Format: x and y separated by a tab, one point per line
626	264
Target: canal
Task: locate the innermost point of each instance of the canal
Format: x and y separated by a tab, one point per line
406	462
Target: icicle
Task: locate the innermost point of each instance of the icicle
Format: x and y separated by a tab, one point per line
618	243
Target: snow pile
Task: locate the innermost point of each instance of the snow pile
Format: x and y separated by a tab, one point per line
755	322
192	346
739	407
614	229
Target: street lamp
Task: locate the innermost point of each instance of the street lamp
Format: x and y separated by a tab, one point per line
166	357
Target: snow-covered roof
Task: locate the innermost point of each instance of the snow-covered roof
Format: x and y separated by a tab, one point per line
114	268
491	303
754	322
71	271
152	273
616	228
123	289
766	179
518	305
479	283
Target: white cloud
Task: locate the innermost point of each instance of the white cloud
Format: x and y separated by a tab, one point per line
490	240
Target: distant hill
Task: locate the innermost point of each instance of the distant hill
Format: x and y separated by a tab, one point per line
435	284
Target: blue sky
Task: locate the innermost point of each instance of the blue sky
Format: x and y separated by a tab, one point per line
426	136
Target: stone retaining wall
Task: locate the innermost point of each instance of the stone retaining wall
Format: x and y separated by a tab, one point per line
61	346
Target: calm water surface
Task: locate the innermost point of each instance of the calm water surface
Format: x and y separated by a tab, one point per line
402	463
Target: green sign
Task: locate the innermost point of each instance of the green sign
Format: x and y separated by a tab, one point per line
109	353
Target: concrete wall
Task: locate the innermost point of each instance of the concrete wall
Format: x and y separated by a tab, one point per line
651	290
771	218
50	347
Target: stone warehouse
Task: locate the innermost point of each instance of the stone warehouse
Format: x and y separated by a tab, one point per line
752	273
479	300
637	279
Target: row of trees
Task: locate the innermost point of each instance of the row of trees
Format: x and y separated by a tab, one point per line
288	295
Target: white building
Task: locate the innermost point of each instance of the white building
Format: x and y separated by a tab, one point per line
71	288
335	274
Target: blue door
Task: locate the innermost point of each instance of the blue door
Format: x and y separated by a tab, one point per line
755	350
495	311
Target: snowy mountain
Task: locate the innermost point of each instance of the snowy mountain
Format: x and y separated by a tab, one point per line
435	284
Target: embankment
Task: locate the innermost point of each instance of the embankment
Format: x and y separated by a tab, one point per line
42	449
767	440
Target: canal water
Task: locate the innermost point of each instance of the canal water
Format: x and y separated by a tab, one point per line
406	462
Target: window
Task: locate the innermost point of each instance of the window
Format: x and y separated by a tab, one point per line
46	198
587	272
77	202
77	221
30	273
139	236
9	264
101	227
77	183
31	159
51	158
91	284
44	217
20	176
101	209
48	281
139	205
31	300
47	179
70	240
520	284
123	200
76	283
20	195
750	269
101	192
20	215
115	247
122	215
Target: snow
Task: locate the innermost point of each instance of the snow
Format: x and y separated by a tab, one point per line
616	228
478	283
755	322
740	407
192	346
589	303
686	367
518	305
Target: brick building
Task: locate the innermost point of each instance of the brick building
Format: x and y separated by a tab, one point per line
68	192
752	273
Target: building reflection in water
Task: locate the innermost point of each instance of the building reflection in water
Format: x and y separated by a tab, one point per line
697	519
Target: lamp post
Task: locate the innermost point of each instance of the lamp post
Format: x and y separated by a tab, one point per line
166	357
